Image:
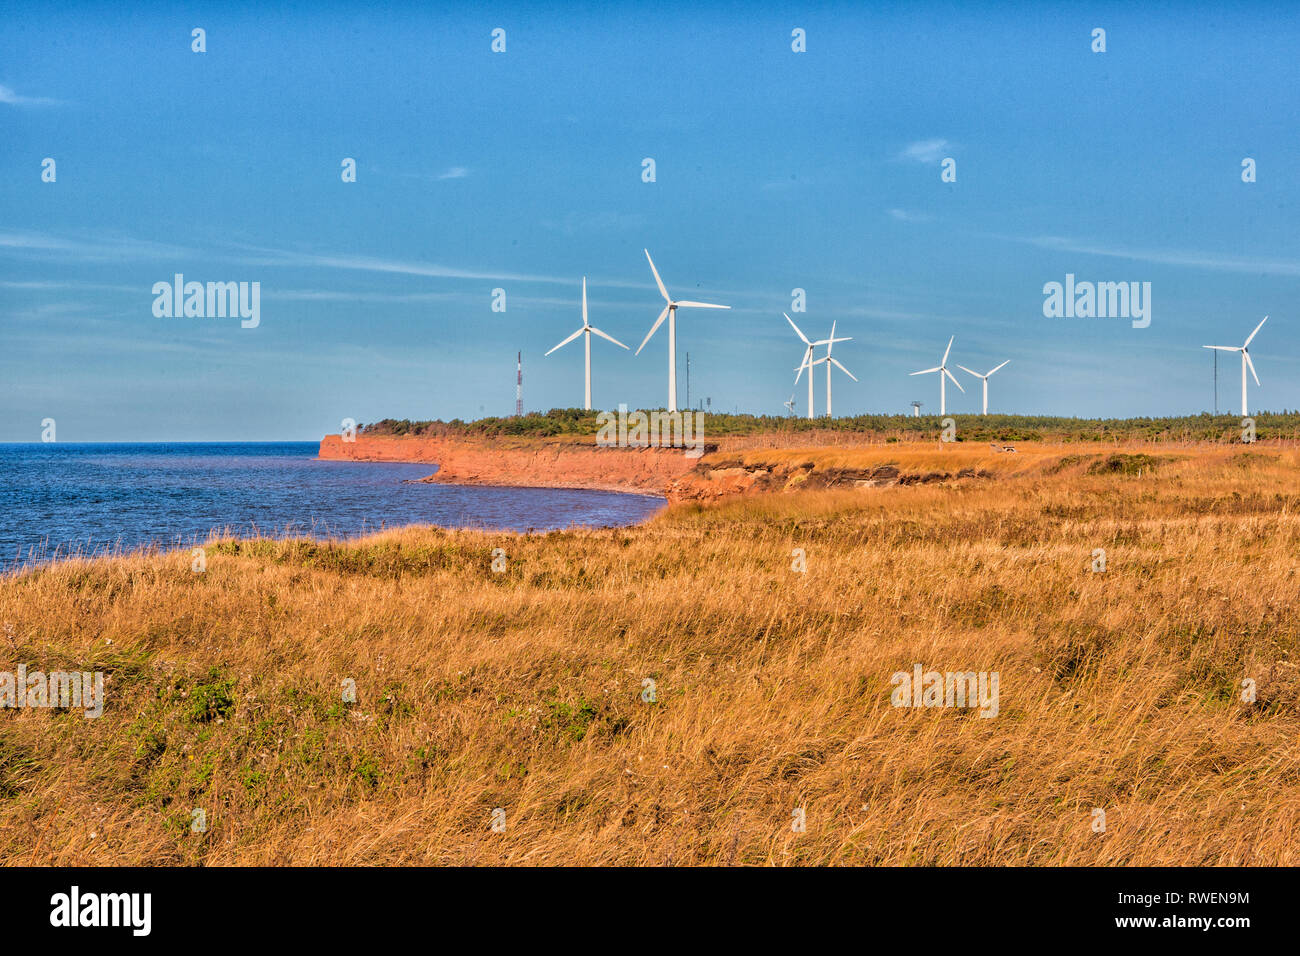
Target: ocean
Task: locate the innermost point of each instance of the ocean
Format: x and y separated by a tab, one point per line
58	499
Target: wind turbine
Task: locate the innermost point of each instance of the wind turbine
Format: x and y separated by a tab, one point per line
1244	349
587	328
807	354
916	409
807	362
790	405
986	382
942	369
670	313
828	361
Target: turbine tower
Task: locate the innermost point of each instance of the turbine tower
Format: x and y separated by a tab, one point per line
1244	349
986	382
916	409
942	369
828	361
588	329
670	313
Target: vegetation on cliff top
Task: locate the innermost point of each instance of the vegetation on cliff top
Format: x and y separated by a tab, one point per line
525	688
1006	428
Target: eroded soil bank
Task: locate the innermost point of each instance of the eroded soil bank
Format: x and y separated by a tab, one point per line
528	463
576	463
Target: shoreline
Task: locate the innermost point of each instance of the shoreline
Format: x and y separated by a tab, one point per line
489	483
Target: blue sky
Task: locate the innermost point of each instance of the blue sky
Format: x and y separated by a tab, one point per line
522	170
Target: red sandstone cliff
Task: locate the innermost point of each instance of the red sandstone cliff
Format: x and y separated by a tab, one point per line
573	463
533	462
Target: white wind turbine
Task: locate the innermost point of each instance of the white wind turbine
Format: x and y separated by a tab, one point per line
670	313
588	328
986	382
790	405
942	369
807	362
1244	349
828	361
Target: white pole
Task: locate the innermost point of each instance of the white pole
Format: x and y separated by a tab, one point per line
986	395
810	385
1244	413
672	358
943	394
828	387
587	339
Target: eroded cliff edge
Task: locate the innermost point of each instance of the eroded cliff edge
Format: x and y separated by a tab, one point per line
522	462
568	462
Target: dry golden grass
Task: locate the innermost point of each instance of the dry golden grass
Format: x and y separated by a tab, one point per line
521	690
920	457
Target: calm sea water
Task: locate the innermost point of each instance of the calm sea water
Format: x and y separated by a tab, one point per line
59	498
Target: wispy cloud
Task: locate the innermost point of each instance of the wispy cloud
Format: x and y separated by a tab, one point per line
1168	257
926	151
275	257
7	95
455	172
117	248
781	185
903	215
89	249
574	223
114	249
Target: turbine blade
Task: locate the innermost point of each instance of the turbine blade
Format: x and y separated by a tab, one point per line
836	363
609	337
954	379
994	370
1252	367
797	330
927	371
701	305
976	374
568	340
653	329
1223	348
946	351
658	281
1252	334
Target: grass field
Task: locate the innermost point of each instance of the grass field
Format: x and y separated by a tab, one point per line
1120	690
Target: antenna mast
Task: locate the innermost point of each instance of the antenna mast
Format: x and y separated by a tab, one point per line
519	385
